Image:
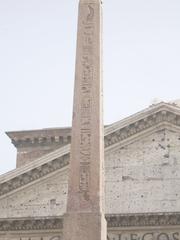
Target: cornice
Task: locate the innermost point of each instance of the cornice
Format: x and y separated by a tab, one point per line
114	134
134	128
32	172
113	221
143	220
40	137
47	158
153	109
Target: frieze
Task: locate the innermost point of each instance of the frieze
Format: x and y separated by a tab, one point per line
143	220
30	224
113	221
41	141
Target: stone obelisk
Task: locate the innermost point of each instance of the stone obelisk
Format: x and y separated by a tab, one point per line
85	219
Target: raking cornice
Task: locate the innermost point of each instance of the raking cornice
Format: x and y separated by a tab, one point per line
125	129
35	170
114	134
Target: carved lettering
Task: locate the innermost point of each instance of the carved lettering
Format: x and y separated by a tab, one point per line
86	123
86	100
85	138
86	88
145	236
134	237
163	236
85	155
176	236
90	16
39	238
84	178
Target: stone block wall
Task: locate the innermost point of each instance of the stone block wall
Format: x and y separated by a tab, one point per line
46	197
144	176
141	177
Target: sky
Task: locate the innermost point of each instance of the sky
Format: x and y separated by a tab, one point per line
141	61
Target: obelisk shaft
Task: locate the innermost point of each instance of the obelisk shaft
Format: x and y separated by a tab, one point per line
85	205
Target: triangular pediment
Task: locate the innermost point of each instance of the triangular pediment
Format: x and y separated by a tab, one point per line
32	172
156	117
41	198
151	118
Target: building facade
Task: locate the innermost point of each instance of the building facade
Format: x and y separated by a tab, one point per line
142	179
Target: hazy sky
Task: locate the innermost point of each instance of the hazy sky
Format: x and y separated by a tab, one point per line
37	56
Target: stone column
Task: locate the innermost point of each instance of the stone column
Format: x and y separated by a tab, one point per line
85	219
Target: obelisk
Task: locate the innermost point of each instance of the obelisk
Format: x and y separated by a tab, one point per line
85	218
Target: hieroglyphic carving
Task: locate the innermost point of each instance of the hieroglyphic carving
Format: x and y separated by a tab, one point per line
91	13
86	101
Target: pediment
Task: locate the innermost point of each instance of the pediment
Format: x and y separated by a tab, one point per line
145	171
160	116
45	197
143	134
156	116
30	173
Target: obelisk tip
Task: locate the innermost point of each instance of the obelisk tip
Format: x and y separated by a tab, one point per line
91	1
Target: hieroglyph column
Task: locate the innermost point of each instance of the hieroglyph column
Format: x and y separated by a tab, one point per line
85	219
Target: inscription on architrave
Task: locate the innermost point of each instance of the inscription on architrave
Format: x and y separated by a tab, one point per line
146	235
30	237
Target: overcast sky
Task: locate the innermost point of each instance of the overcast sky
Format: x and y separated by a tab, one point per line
37	56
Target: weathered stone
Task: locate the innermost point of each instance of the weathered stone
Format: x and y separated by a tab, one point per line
142	166
33	144
85	205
